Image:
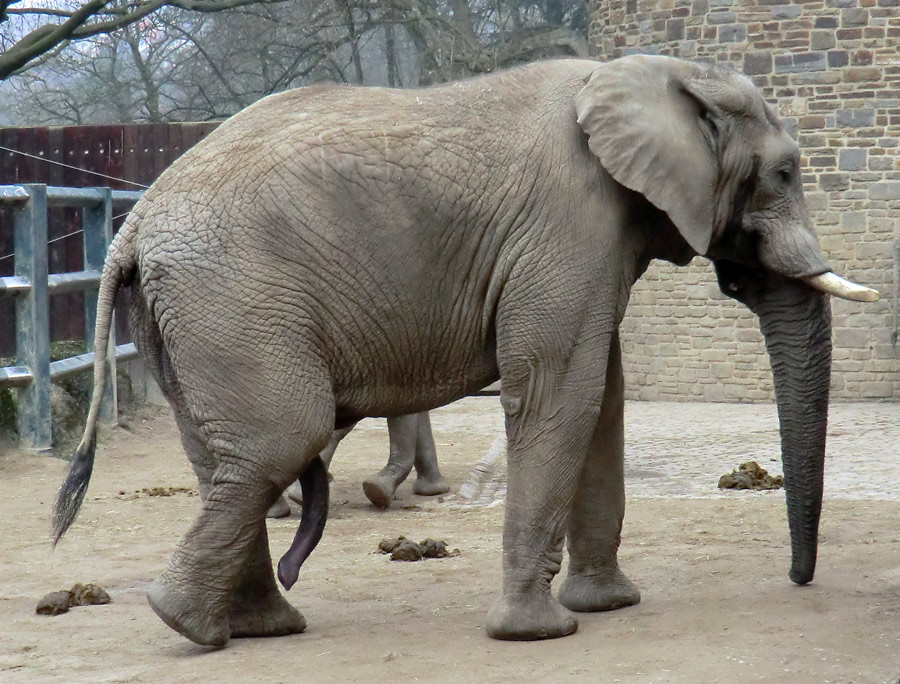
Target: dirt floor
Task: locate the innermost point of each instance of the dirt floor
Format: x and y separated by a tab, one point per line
717	604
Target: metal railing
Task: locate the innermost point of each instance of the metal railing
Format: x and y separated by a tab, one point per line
31	287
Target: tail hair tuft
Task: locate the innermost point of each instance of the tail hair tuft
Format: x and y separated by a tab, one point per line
71	494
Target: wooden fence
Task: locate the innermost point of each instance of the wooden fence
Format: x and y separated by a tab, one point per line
122	157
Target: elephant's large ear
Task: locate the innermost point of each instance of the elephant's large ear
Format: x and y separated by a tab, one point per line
656	135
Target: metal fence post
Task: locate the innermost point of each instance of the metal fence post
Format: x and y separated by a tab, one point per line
32	319
96	222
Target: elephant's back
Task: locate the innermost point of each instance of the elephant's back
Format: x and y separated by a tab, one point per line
489	99
276	128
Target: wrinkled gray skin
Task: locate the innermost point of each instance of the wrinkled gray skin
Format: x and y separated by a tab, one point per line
411	445
332	253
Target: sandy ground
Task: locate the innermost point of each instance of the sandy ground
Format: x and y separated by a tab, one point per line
717	605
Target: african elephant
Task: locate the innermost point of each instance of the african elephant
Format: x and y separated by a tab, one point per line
332	253
411	445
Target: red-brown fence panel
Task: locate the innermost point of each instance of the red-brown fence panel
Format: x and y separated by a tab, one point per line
122	157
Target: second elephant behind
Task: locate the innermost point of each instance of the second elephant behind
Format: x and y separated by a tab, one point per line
411	445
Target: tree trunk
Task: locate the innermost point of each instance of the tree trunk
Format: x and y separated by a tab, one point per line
429	70
393	76
354	42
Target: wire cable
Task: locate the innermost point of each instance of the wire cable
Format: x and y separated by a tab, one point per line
63	237
69	166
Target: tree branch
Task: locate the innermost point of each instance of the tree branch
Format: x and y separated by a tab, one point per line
79	25
45	38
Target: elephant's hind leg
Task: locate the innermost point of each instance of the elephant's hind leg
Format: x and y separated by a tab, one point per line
258	609
594	580
219	582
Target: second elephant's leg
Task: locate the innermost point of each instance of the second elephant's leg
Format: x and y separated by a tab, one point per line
594	580
429	480
403	435
294	492
280	509
328	452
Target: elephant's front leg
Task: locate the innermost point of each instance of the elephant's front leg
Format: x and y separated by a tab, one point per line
594	580
550	422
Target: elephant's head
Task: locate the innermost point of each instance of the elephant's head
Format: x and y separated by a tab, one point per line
700	144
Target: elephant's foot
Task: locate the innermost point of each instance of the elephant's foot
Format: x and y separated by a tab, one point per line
280	509
267	617
295	491
199	622
431	485
527	618
379	490
601	591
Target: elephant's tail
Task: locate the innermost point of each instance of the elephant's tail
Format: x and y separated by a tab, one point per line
119	268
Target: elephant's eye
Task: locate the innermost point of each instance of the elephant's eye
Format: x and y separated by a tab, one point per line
786	176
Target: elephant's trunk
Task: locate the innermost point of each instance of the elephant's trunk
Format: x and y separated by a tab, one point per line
796	323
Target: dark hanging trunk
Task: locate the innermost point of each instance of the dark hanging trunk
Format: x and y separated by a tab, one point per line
796	323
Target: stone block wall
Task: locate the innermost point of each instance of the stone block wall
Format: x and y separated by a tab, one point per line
832	68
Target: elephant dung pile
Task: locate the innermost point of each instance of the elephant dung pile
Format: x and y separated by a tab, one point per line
751	475
403	549
59	602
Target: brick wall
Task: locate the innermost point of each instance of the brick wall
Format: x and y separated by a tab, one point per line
832	68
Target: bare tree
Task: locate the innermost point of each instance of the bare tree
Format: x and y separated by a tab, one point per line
71	21
116	77
176	64
463	37
235	58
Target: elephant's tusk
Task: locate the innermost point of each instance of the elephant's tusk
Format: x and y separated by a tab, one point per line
833	284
